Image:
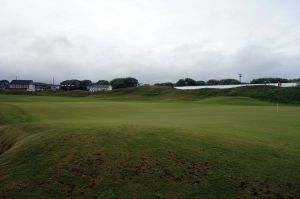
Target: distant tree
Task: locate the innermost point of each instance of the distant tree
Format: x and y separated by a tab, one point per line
213	82
190	82
103	82
83	85
295	80
229	82
4	84
124	82
118	83
180	82
269	80
186	82
131	82
200	83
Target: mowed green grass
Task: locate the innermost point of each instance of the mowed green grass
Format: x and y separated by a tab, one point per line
84	147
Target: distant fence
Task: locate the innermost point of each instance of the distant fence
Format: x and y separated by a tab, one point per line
234	86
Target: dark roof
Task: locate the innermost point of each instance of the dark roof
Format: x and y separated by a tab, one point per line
22	82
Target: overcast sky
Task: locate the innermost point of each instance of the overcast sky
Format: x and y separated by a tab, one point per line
152	40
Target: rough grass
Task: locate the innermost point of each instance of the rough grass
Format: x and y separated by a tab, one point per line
266	93
224	147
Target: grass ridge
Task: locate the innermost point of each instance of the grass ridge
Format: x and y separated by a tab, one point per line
265	93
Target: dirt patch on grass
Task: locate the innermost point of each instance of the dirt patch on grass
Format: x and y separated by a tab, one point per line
75	174
81	175
268	189
172	167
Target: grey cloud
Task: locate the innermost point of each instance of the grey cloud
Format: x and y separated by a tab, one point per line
154	41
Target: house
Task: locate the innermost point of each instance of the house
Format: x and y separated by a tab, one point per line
99	88
22	85
4	84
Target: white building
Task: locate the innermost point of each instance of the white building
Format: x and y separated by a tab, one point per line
31	88
99	88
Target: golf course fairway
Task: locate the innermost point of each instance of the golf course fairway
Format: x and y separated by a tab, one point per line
86	147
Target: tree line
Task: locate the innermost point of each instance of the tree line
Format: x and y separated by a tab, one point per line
274	80
84	84
192	82
117	83
132	82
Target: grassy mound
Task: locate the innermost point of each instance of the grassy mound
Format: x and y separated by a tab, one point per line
265	93
89	148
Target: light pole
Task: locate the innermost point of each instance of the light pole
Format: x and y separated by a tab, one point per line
240	77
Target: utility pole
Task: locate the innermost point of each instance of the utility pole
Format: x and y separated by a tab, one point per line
240	77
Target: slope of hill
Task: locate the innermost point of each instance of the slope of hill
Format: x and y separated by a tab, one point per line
83	147
266	93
